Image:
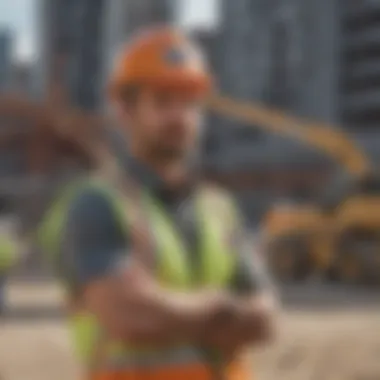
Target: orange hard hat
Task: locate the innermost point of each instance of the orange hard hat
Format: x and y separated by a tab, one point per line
161	57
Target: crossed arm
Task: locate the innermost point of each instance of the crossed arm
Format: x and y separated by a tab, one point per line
131	305
139	310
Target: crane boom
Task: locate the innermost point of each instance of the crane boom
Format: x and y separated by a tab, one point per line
326	138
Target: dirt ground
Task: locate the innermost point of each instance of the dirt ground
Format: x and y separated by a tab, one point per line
315	343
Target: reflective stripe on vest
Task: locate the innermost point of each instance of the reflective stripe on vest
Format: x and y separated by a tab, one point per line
172	357
173	270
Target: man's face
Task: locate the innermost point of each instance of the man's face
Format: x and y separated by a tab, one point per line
166	122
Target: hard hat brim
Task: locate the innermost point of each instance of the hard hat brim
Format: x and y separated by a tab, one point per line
197	86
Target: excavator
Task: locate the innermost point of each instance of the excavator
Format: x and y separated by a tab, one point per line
335	237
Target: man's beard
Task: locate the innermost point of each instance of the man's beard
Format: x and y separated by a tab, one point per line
166	152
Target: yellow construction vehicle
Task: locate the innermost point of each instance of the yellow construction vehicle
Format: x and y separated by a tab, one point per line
337	235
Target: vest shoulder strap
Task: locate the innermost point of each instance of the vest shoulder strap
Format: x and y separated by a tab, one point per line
222	203
125	193
50	230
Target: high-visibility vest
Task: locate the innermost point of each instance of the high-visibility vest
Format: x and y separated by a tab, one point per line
173	270
8	253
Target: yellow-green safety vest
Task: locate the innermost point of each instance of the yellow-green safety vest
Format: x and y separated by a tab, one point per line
217	218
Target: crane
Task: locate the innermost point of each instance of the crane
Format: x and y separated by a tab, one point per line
328	139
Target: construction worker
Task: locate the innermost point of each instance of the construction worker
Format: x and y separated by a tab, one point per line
162	284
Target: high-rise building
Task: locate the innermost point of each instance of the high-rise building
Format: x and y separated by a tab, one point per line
71	48
360	58
40	76
282	54
5	59
86	65
55	36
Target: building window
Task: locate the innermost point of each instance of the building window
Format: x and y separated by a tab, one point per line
278	87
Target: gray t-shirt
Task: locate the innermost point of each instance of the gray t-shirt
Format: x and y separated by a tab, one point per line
94	239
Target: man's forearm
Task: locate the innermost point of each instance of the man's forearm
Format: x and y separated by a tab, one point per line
141	311
205	318
219	320
165	316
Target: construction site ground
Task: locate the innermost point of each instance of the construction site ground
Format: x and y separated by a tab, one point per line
326	333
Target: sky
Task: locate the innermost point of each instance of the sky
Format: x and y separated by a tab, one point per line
19	17
199	13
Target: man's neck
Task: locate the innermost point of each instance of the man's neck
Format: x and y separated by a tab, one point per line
173	171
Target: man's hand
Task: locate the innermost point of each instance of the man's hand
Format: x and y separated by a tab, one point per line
251	323
257	315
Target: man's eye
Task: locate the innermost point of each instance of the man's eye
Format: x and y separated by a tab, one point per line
162	99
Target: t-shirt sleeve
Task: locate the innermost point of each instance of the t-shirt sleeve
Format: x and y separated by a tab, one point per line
94	239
